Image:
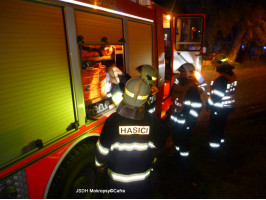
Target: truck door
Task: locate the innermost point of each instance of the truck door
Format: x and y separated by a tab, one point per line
189	32
140	46
186	45
36	95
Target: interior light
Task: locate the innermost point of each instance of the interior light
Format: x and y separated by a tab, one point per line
197	74
168	17
105	9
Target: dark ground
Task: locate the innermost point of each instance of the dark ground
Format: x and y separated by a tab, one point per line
238	170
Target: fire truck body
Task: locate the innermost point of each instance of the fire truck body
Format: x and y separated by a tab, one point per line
55	89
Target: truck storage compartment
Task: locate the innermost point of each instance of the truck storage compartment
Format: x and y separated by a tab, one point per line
94	82
140	46
36	95
99	37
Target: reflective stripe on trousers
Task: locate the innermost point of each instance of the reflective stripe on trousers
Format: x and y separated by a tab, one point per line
129	178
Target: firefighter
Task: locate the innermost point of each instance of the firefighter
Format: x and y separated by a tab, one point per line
149	74
128	142
221	102
118	80
219	59
185	107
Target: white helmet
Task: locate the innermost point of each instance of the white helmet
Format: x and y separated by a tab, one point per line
189	68
114	72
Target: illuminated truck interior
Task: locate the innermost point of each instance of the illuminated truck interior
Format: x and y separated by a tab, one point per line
100	41
189	33
96	80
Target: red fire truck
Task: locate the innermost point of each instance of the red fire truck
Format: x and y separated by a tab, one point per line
55	89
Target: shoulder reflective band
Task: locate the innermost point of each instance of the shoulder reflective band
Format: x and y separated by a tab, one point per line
102	149
132	95
129	178
97	163
132	146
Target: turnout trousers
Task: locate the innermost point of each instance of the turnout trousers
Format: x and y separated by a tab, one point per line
181	136
217	123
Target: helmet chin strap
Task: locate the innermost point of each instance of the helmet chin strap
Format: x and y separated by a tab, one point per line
130	112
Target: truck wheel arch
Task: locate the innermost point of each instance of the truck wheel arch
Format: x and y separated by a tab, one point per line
75	169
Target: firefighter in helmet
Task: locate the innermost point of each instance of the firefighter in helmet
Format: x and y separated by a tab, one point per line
149	74
219	59
221	101
185	107
128	141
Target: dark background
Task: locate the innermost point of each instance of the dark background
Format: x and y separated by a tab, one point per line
236	28
237	170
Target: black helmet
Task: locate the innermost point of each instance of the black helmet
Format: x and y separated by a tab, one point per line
136	92
219	59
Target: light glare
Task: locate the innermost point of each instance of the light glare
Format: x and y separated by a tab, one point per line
105	9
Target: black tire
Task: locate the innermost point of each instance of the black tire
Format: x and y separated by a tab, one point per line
77	171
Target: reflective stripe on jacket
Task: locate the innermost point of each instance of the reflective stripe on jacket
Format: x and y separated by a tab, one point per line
127	147
222	91
186	102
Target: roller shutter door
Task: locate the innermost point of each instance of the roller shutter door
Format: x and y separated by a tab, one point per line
93	27
140	46
35	90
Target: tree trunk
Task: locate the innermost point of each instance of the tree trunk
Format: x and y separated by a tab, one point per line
235	47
